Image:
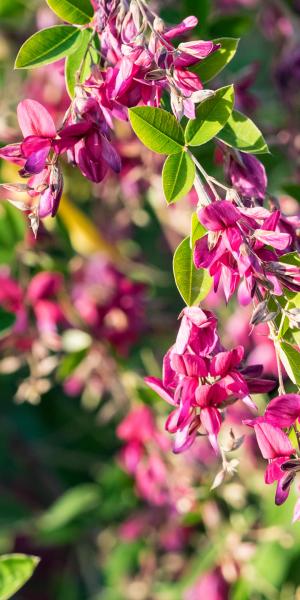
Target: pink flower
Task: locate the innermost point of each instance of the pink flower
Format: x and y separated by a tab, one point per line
234	250
282	411
277	448
210	585
200	379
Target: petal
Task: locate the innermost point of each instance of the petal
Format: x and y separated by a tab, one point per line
211	421
34	119
273	443
283	411
157	386
219	215
223	362
186	25
274	238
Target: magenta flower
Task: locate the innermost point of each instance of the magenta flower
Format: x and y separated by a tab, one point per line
39	132
282	411
277	448
234	250
200	379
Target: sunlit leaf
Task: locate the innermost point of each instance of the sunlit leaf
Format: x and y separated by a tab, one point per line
290	359
211	116
15	570
78	12
197	230
178	176
193	284
241	133
79	60
213	64
47	46
157	129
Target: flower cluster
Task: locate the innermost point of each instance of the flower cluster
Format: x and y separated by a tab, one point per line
201	378
281	415
137	69
236	250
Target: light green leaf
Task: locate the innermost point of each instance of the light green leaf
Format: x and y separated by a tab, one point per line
47	46
211	66
193	284
241	133
197	230
291	258
157	129
80	59
290	359
78	12
72	504
15	570
211	116
178	176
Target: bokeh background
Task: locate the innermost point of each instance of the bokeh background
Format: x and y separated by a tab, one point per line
88	479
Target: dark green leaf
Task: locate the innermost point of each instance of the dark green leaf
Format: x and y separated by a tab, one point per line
193	284
241	133
15	570
211	117
78	12
178	176
47	46
7	320
211	66
157	129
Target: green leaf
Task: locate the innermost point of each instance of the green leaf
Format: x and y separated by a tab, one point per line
79	59
71	505
291	258
193	284
78	12
157	129
197	230
12	231
211	66
211	116
241	133
178	176
290	359
47	46
15	570
7	320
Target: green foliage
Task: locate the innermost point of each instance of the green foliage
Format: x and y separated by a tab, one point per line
80	60
211	116
290	359
193	284
15	570
69	507
47	46
157	129
178	176
241	133
7	320
213	64
12	231
197	230
78	12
